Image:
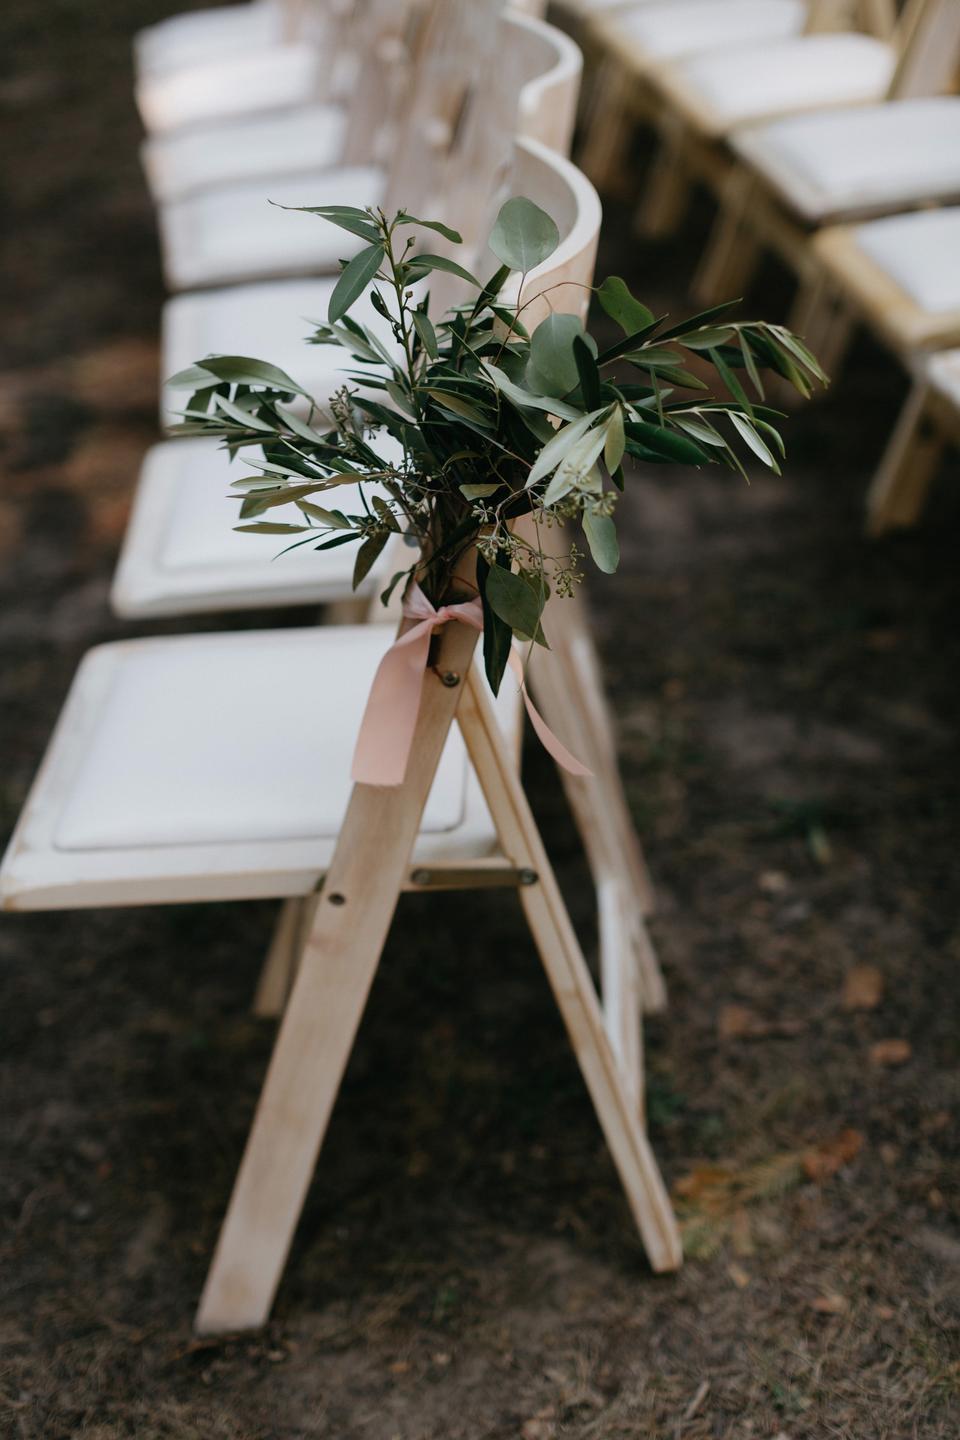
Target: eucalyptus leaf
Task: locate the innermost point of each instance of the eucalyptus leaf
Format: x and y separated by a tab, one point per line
523	235
552	362
601	535
615	441
368	555
515	600
615	297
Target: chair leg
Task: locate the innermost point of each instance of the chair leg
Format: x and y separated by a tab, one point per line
730	259
569	689
666	194
899	487
571	983
605	147
283	957
339	961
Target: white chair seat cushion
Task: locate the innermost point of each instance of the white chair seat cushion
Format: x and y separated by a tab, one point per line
183	162
943	373
732	87
272	77
181	553
842	162
663	31
236	234
207	35
266	322
921	254
218	766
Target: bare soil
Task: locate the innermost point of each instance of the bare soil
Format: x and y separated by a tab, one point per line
466	1268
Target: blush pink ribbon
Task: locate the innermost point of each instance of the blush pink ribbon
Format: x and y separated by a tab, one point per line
390	718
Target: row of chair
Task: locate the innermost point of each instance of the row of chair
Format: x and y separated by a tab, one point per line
215	767
828	146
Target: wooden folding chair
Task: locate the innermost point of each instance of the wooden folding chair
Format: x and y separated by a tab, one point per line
929	420
213	66
637	44
120	813
409	90
793	175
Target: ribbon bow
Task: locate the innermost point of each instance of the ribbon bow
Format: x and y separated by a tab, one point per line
390	718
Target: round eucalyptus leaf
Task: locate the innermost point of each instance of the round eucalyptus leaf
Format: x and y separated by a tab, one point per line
524	235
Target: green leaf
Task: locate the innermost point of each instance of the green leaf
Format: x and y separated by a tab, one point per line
615	297
237	370
576	466
730	380
750	437
553	365
333	518
707	338
355	276
401	399
586	363
271	527
515	600
523	235
497	635
615	442
601	536
348	217
421	265
367	556
458	406
440	229
428	336
478	492
666	443
525	400
242	416
558	445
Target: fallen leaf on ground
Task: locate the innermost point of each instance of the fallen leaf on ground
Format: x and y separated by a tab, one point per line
826	1159
890	1052
738	1275
829	1305
737	1021
862	988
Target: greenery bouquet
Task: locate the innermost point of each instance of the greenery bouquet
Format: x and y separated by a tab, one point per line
470	433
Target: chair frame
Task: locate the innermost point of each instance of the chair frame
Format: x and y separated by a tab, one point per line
338	961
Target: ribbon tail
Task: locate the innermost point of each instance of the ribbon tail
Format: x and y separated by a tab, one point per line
390	718
544	734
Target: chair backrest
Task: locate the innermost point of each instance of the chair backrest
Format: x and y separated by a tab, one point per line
530	91
928	39
562	283
452	52
550	69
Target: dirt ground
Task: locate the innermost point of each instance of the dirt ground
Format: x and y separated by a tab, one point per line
466	1268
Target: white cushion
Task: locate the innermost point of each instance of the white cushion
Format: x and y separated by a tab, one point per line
217	766
228	154
266	322
843	161
272	77
667	31
241	233
943	373
181	553
921	254
204	35
732	87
